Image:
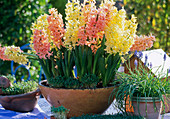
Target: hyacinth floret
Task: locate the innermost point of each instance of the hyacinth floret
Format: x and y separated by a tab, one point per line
107	6
87	21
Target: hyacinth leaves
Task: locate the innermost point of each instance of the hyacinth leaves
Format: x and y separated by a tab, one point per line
83	58
62	64
108	68
101	64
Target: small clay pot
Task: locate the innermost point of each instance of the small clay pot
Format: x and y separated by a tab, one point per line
139	106
20	103
167	104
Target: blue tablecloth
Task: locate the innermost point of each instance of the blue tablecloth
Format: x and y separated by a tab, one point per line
37	113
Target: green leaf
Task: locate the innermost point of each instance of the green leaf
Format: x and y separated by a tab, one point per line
89	58
102	67
84	62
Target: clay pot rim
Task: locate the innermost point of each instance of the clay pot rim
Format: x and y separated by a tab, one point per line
146	99
40	84
19	95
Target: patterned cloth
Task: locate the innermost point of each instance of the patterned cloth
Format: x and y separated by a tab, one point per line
37	113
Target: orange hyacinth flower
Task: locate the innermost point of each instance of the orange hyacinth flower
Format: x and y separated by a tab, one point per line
41	44
2	54
56	27
142	43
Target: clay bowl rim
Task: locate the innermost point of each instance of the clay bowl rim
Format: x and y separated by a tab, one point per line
40	84
19	95
148	99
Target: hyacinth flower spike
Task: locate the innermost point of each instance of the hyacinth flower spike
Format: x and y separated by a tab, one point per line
136	63
140	54
146	58
135	53
150	64
165	57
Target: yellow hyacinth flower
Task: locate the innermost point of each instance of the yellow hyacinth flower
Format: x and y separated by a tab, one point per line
72	25
120	33
15	54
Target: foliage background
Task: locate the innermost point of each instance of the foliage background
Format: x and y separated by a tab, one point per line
18	15
153	17
16	19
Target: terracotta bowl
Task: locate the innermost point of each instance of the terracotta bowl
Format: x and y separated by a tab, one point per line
20	103
79	101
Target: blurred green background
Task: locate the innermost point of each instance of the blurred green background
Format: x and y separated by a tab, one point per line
17	17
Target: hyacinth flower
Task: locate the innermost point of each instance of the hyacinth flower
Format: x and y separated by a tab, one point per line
146	59
2	54
142	43
136	63
135	53
150	64
140	54
10	53
164	57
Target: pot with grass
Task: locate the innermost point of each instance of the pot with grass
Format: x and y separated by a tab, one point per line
20	96
144	91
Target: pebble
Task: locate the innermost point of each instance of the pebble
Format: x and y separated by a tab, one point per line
4	82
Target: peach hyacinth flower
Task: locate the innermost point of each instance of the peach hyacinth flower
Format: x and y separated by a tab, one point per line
2	54
41	44
56	27
92	31
142	43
